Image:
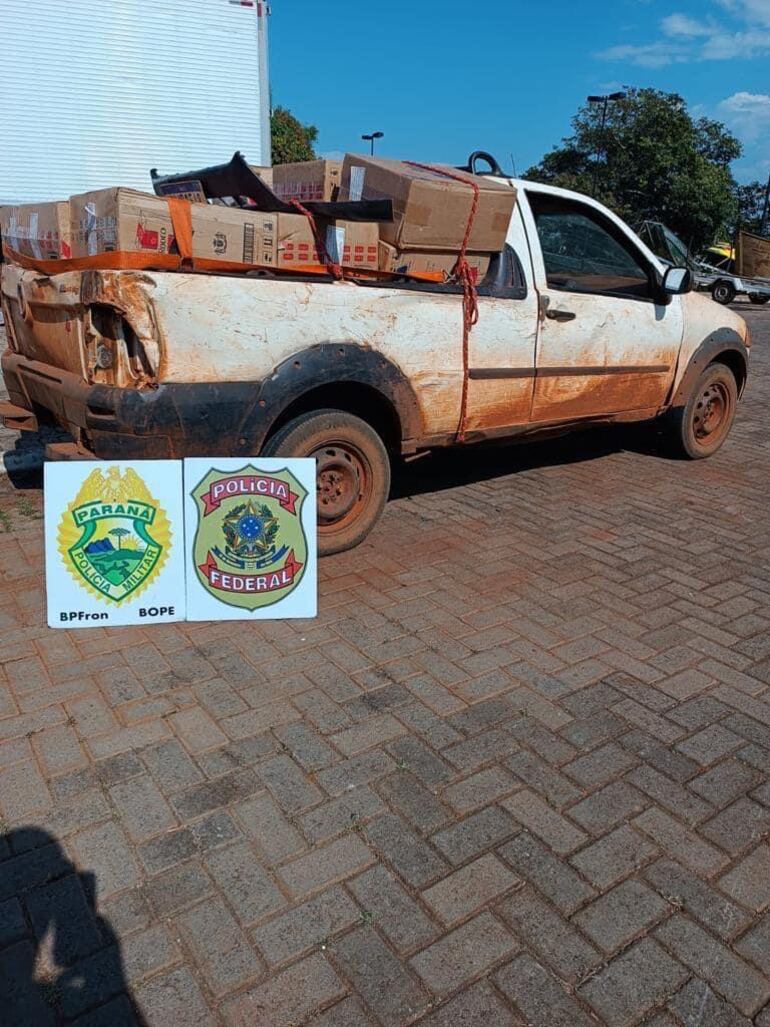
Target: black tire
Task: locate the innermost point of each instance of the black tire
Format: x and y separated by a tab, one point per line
700	427
758	300
352	477
723	292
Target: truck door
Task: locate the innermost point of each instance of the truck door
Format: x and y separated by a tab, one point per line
605	344
501	364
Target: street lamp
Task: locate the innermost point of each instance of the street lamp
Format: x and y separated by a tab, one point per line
370	138
604	101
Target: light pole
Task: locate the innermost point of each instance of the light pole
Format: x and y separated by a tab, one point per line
371	137
604	101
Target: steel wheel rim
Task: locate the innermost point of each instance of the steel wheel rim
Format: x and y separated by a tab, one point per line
711	412
343	482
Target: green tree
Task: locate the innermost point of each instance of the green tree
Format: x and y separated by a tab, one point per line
119	533
751	203
291	140
653	160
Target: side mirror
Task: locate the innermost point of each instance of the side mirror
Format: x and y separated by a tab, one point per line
677	280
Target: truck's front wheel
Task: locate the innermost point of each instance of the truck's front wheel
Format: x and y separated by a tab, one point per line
352	473
698	429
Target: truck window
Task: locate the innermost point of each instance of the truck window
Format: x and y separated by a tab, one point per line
584	253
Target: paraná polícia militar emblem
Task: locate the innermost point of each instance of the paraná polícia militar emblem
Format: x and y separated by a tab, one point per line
250	548
114	537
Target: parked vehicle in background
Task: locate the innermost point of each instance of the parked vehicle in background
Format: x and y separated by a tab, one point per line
579	323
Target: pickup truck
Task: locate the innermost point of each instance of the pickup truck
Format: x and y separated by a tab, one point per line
579	322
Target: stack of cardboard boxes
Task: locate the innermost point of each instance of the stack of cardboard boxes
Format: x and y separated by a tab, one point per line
430	215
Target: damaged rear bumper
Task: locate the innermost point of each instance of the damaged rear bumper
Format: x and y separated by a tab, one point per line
169	421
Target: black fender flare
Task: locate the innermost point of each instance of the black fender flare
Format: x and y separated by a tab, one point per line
723	340
332	363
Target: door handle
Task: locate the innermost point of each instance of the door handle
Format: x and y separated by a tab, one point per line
560	315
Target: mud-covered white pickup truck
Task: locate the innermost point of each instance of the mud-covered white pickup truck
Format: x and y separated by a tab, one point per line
578	322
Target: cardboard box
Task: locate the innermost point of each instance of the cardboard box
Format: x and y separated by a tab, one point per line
108	220
307	180
266	174
350	243
410	262
125	220
430	211
39	230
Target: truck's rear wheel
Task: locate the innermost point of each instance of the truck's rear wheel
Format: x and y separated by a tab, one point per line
723	292
758	299
699	428
352	473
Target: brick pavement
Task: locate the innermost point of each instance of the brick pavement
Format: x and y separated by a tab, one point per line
515	773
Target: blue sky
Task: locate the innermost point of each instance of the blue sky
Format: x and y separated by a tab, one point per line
442	79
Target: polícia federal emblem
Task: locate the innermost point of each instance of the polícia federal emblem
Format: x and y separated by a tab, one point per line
114	537
250	548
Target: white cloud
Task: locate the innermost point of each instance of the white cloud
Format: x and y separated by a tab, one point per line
747	113
687	39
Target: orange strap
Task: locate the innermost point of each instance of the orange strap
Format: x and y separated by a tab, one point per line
180	211
463	273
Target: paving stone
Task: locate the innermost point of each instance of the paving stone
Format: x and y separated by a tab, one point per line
552	937
469	889
421	761
634	982
22	1005
23	792
671	795
13	926
685	845
412	858
465	954
554	829
479	789
219	947
479	1006
126	912
266	825
749	881
170	766
600	766
663	758
737	981
710	744
554	786
684	888
104	850
197	731
755	944
347	1013
143	810
368	734
248	888
540	997
738	826
172	999
65	904
307	747
98	977
608	807
617	917
696	1003
177	888
476	833
405	794
146	952
552	877
300	929
341	814
384	983
167	850
118	1012
325	865
216	829
614	856
212	795
391	910
359	770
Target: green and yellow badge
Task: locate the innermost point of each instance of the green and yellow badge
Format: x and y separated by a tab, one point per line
114	537
250	548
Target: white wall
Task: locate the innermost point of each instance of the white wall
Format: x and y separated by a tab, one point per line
94	93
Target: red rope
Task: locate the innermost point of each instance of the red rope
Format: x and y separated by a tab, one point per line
334	269
463	273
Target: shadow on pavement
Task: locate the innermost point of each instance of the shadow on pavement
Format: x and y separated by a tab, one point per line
464	465
58	958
